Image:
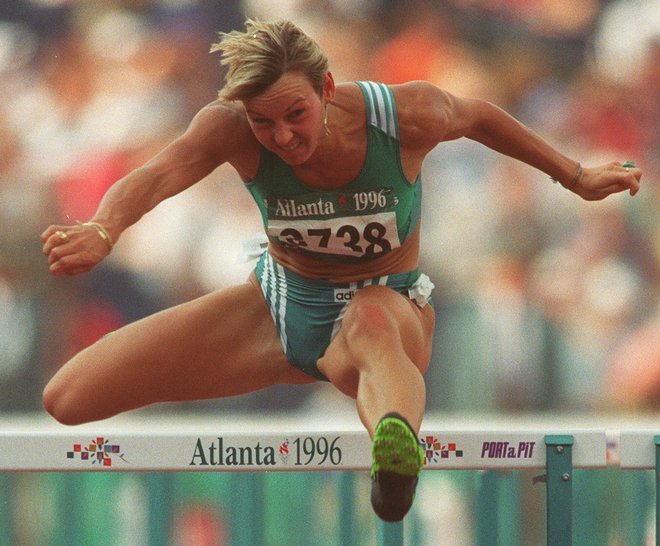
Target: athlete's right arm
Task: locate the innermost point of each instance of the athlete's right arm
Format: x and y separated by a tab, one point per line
208	142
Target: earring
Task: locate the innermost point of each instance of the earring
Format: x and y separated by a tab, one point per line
325	122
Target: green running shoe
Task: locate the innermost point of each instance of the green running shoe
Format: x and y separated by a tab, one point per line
398	459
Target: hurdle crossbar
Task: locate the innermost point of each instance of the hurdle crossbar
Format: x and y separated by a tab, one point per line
294	443
275	444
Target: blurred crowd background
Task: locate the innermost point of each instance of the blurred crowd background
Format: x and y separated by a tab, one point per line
544	301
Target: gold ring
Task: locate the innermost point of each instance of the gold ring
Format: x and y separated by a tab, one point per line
63	236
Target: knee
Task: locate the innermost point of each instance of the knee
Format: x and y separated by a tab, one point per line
368	320
380	326
56	401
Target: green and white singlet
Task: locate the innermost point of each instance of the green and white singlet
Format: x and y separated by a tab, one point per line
366	218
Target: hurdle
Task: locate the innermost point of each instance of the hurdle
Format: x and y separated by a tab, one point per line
242	444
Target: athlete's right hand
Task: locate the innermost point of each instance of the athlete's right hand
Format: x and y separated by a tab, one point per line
73	249
599	182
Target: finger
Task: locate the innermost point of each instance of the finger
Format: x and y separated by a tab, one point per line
49	245
615	187
60	269
602	193
632	179
631	167
637	180
56	239
68	271
49	231
57	267
68	265
59	252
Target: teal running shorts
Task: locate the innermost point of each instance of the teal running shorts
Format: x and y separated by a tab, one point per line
308	312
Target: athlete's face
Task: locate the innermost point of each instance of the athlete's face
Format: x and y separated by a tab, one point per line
287	118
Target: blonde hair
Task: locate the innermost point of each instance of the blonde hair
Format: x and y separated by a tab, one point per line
258	57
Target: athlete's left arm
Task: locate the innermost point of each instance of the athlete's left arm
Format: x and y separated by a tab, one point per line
429	115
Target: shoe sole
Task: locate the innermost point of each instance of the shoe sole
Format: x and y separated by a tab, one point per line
396	449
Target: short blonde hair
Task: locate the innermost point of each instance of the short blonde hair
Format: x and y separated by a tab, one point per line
258	57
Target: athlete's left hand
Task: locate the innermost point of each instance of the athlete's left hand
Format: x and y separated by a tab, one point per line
598	182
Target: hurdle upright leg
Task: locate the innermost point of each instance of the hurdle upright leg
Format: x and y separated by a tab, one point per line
559	492
486	507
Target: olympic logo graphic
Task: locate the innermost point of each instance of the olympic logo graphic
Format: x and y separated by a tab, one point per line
98	452
284	451
435	450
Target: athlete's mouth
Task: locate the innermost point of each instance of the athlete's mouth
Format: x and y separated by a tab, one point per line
290	147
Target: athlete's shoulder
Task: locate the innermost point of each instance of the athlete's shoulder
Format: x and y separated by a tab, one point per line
221	117
221	130
410	96
419	100
422	109
348	96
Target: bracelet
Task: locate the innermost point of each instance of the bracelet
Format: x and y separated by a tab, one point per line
572	183
100	230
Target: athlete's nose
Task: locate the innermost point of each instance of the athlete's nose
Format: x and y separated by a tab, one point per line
282	136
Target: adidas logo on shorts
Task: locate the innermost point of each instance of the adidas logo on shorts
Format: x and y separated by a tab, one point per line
344	294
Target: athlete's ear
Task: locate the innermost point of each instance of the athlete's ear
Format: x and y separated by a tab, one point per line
329	87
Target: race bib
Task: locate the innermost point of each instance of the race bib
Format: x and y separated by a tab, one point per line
357	236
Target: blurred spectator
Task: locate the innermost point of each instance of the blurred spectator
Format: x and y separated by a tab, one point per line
422	42
633	373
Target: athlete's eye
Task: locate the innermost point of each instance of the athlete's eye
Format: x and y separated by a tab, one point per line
296	113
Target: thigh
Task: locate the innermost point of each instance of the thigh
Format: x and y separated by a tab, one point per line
221	344
381	328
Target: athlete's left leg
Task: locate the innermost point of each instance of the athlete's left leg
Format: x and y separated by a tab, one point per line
378	357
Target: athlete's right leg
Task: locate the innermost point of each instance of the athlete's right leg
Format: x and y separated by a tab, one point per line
222	344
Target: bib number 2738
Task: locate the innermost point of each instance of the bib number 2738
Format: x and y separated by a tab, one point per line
357	236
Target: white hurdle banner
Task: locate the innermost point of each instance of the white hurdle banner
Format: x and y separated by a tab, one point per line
229	443
283	443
